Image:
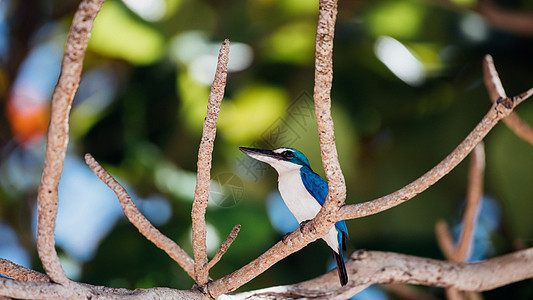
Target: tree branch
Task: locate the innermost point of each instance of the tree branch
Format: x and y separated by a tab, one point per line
203	176
56	144
224	246
473	197
49	290
21	273
322	96
499	110
374	267
139	221
496	91
444	239
36	290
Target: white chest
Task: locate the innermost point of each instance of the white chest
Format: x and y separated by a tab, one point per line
301	204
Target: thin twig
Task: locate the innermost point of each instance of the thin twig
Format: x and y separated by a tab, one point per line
224	246
203	176
138	220
11	269
496	91
499	110
56	144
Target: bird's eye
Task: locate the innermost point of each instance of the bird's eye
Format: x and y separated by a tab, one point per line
288	154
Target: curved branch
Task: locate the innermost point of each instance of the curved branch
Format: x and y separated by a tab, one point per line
56	144
496	91
499	110
11	269
374	267
203	176
139	221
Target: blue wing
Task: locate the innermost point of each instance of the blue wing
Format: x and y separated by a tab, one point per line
318	188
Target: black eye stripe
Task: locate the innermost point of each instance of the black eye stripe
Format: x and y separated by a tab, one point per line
288	154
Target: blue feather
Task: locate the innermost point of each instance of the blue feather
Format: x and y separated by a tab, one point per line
318	188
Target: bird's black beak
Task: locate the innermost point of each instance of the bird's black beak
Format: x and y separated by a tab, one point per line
252	151
260	154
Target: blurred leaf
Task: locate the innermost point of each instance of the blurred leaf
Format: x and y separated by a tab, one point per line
253	110
398	19
117	34
299	7
194	98
292	43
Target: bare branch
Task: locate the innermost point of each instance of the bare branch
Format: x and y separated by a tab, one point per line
519	127
492	79
444	239
49	290
203	176
473	197
56	144
496	91
322	95
139	221
11	269
36	290
499	110
224	246
373	267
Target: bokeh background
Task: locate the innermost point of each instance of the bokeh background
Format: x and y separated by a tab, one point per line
407	89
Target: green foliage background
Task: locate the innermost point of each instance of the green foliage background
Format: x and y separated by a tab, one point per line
388	132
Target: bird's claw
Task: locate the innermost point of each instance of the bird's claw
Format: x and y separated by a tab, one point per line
302	224
284	238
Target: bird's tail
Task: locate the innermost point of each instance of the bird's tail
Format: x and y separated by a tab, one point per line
341	267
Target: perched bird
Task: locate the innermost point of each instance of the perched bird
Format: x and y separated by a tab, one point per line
304	193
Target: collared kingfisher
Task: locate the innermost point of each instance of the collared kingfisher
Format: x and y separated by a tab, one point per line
304	193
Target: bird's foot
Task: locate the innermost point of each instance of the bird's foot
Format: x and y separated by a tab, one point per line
302	224
284	238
